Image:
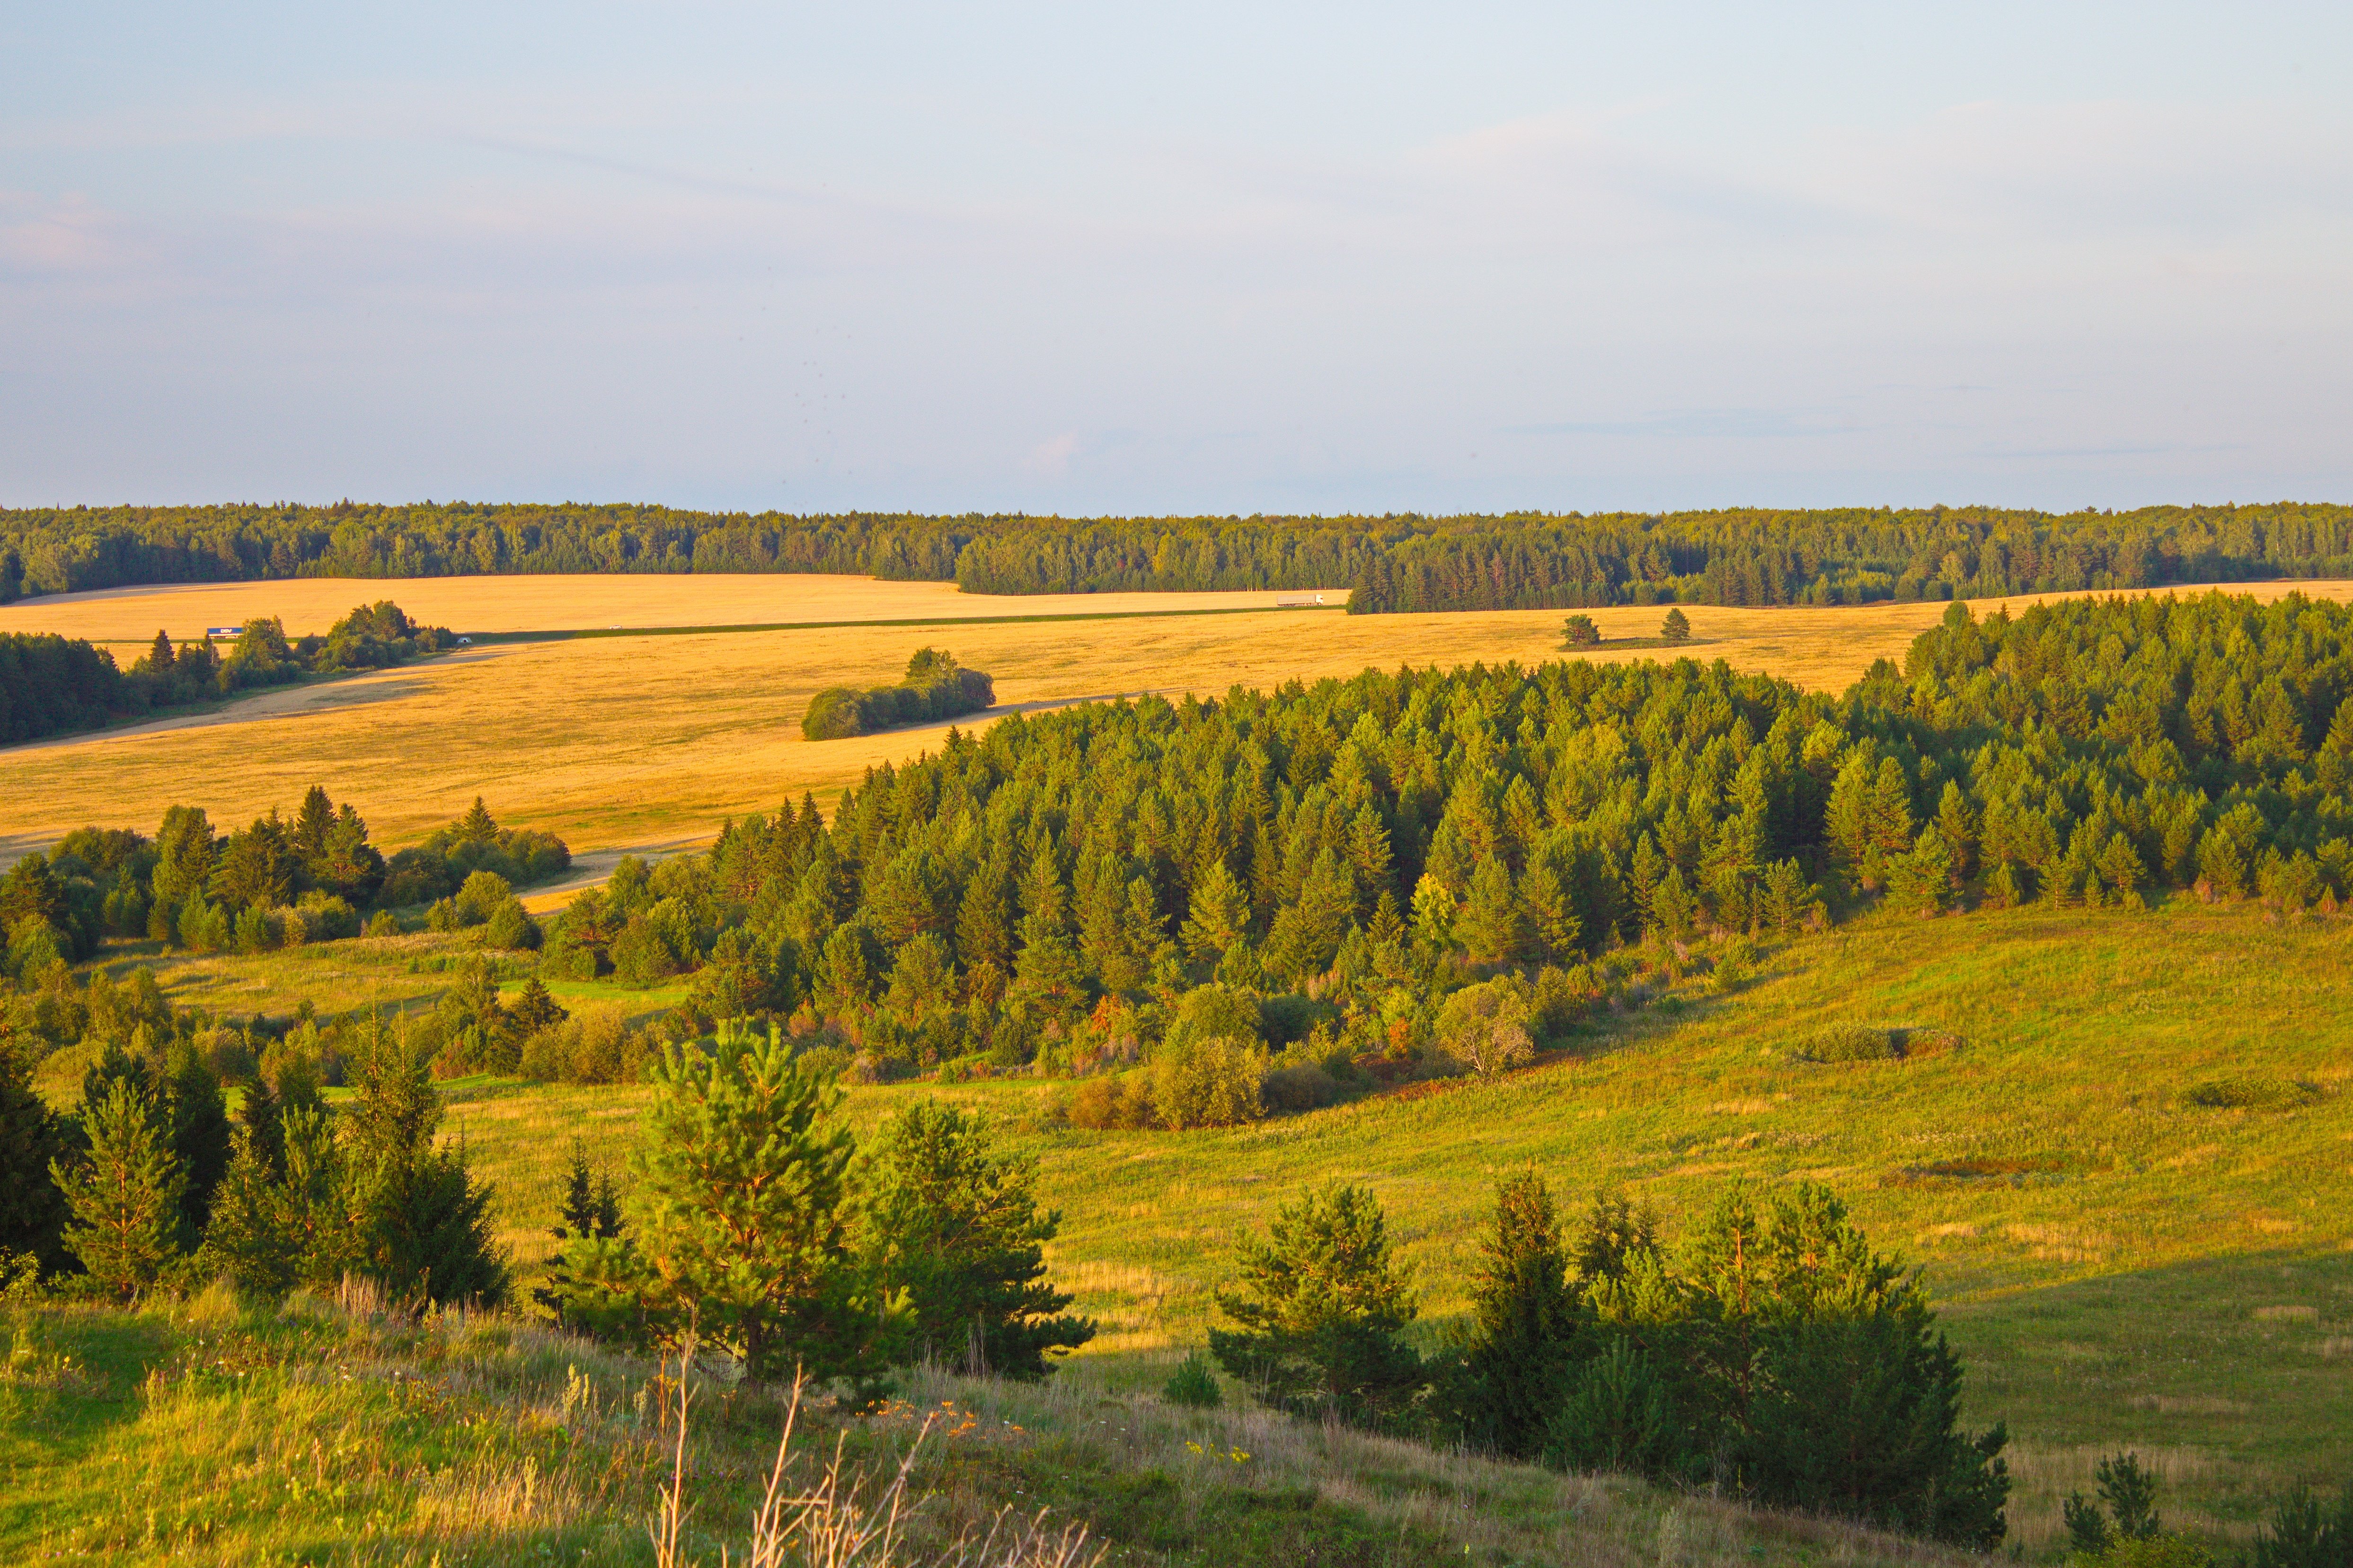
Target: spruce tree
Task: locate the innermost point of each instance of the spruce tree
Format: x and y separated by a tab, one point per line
955	1225
422	1220
200	1135
33	1139
1514	1362
476	826
246	1240
124	1193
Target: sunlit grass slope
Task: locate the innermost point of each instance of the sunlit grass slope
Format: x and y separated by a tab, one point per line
320	1434
2123	1265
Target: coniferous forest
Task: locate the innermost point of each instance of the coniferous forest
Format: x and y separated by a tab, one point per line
1401	563
1427	864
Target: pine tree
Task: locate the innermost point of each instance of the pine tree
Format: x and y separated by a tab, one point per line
1676	628
955	1225
1957	824
1321	1310
2121	871
1788	897
124	1194
1308	931
1489	927
1219	913
1672	907
743	1215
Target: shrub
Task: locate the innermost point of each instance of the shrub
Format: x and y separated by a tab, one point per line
384	922
1486	1025
594	1046
1581	632
1207	1082
484	894
936	688
443	916
326	917
2244	1093
1301	1087
1193	1385
1123	1101
511	927
1848	1043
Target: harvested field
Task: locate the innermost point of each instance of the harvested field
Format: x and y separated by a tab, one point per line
521	604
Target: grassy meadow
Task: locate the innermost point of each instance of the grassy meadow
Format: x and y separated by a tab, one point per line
2122	1265
328	1432
643	744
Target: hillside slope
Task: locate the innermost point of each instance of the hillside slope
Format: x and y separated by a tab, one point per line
326	1432
2127	1183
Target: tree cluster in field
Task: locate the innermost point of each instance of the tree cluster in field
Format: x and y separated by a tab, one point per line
1404	561
1262	902
277	883
50	684
755	1225
936	687
150	1183
1770	1352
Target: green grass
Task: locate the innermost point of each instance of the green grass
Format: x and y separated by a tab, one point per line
208	1433
2101	1244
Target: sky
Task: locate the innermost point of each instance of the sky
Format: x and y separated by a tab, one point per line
1091	259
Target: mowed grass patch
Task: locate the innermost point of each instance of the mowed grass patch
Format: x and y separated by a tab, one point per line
2052	1167
630	744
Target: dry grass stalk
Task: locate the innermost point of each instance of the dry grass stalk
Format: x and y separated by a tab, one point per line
836	1523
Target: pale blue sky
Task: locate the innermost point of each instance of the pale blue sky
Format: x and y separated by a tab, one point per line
1210	257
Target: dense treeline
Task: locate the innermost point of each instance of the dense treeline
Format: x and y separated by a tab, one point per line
1423	871
1408	561
49	683
936	687
274	883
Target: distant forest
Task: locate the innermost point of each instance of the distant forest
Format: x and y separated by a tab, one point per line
1403	563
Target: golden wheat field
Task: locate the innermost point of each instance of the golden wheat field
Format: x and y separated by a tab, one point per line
536	604
644	744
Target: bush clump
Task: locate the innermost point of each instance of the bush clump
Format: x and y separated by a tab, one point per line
936	687
1849	1043
2245	1093
1193	1385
